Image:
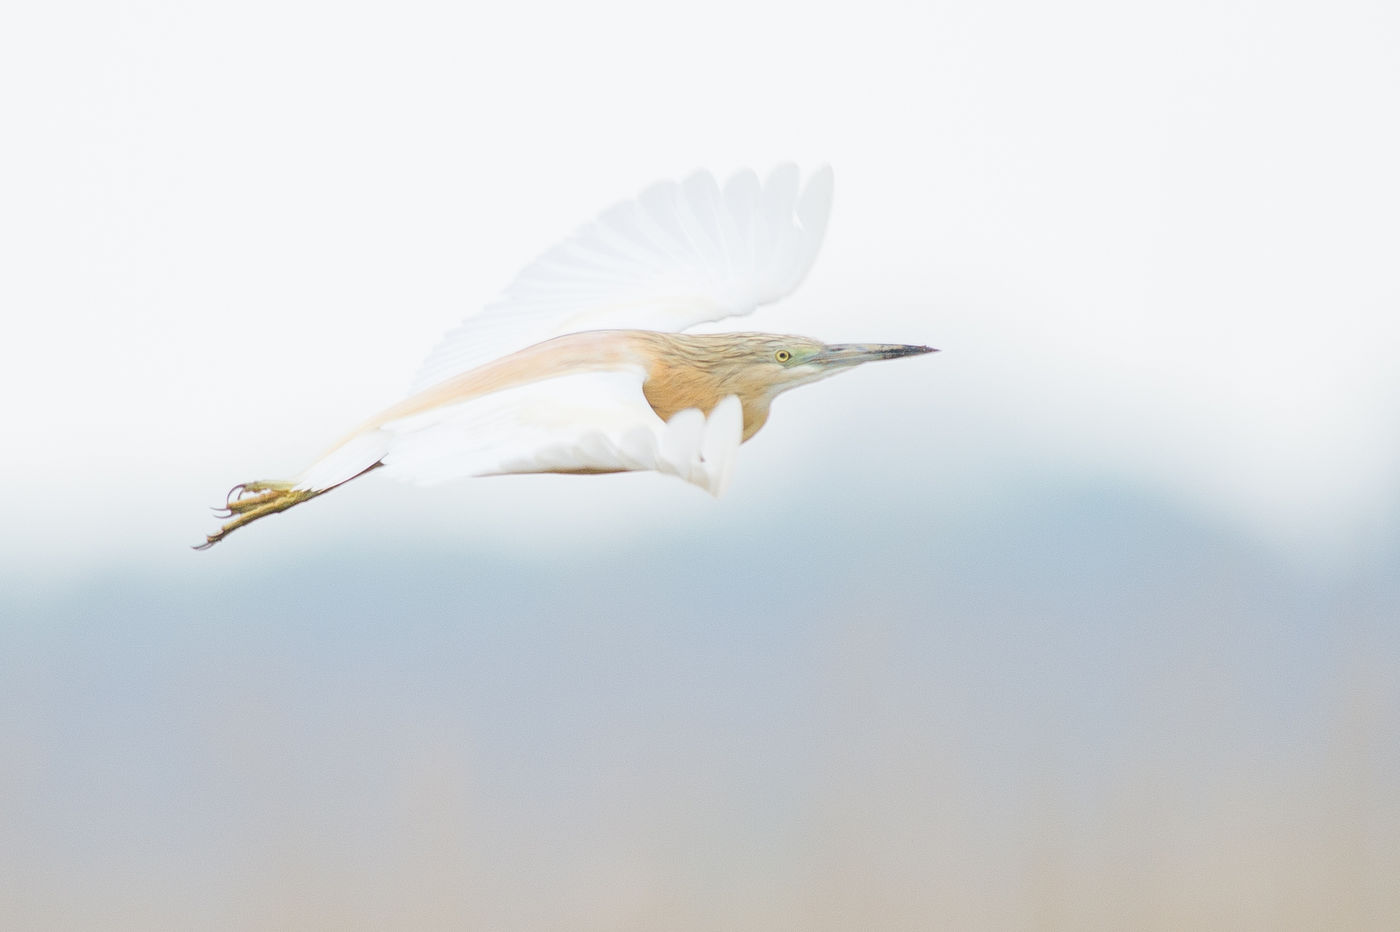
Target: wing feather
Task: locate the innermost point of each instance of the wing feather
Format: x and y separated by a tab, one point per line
678	255
582	422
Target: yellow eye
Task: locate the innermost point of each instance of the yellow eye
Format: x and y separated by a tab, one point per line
782	355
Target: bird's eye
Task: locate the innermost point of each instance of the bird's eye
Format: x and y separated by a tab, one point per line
782	355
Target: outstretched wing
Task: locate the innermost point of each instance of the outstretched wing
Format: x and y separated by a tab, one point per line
582	422
678	255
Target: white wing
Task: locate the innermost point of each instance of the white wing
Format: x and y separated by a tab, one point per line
676	256
584	422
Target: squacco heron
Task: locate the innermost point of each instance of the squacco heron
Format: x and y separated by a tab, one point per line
581	367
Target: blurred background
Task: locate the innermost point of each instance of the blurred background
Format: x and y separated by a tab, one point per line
1087	622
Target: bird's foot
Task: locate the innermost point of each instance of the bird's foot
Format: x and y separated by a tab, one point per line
249	501
247	496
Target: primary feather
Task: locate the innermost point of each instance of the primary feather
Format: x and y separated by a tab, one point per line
678	255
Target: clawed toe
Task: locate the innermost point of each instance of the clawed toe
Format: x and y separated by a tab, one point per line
249	501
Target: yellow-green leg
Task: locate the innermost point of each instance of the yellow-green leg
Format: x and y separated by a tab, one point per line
250	501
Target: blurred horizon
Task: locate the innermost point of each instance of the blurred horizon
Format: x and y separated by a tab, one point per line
1009	714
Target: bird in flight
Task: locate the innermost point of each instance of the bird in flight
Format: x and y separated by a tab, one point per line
582	365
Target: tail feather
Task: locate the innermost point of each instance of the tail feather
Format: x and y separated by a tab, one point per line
352	457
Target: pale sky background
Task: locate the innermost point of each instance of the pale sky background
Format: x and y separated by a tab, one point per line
1103	596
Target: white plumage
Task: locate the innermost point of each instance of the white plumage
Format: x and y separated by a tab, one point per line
678	255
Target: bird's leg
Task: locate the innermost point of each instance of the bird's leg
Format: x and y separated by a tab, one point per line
269	498
249	501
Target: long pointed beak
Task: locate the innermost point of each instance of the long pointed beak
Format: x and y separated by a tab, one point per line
853	354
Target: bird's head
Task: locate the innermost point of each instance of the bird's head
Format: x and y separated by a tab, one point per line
693	370
783	362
